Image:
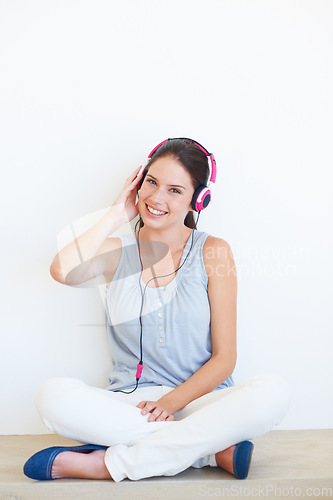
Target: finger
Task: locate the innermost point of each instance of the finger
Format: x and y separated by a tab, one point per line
135	172
131	183
162	416
141	404
138	176
156	413
138	171
170	418
133	177
148	407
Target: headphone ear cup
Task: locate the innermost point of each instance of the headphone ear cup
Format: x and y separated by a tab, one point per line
201	198
141	180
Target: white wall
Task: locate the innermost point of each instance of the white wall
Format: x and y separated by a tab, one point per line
87	89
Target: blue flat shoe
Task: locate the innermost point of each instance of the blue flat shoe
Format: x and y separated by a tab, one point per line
242	459
39	466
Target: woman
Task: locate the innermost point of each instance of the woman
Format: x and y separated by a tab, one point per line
183	409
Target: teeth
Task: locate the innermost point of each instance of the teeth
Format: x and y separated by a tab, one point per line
156	212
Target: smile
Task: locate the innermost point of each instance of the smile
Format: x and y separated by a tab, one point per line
156	213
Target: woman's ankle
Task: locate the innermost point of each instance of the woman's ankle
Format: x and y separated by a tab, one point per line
224	459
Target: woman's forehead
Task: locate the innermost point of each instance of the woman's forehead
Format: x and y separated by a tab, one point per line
167	168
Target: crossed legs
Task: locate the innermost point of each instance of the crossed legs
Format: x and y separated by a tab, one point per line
138	448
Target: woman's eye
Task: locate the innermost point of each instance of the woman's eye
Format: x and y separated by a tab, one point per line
173	189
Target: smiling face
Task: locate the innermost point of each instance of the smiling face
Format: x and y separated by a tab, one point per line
167	188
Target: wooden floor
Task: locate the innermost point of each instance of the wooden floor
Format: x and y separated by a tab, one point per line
285	464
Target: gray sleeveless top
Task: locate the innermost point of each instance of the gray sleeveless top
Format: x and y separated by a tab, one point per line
176	339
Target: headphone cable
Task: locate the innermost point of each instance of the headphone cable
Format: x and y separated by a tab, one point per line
140	364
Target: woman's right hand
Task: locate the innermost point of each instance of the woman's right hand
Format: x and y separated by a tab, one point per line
124	206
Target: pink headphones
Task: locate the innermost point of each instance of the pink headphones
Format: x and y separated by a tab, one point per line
202	194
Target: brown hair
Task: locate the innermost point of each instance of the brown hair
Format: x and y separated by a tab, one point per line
192	158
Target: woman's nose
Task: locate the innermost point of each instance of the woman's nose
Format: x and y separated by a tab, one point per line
157	197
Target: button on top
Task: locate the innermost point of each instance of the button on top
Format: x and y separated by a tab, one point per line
160	327
161	340
159	304
159	315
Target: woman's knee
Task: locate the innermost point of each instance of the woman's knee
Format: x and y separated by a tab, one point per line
273	392
51	393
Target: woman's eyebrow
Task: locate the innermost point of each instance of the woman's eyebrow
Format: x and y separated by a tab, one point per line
171	185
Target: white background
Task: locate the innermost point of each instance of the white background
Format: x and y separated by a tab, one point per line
87	89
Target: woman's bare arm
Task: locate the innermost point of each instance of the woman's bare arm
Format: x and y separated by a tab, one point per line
94	253
88	255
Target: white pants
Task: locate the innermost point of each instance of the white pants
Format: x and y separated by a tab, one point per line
140	449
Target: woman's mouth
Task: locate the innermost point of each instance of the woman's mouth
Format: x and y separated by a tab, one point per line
154	213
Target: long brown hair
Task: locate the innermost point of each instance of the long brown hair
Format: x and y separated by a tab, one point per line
192	158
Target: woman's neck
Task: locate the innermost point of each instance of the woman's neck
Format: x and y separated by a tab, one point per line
175	239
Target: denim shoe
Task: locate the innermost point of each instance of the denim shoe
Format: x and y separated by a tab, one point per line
242	459
39	466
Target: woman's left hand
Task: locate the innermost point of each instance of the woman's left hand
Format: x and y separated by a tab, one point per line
159	411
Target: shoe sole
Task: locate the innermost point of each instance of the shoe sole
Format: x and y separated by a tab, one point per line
248	459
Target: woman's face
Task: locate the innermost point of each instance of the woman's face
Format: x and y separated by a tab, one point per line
166	188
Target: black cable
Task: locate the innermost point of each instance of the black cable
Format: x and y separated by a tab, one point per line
140	317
